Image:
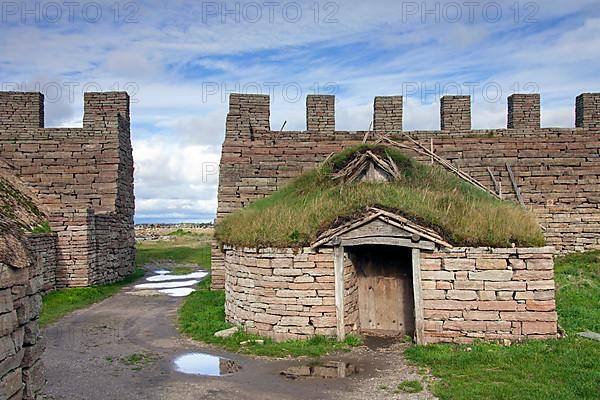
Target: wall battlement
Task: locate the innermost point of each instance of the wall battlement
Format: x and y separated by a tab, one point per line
82	177
557	170
251	112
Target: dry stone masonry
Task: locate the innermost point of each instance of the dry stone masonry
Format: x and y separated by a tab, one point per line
320	113
460	294
22	374
587	113
280	293
488	294
524	111
455	113
557	170
81	182
82	178
387	114
503	295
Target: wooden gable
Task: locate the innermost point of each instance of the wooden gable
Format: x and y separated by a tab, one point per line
382	232
380	227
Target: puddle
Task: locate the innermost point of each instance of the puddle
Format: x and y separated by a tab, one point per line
167	285
167	277
178	292
162	271
163	282
327	369
205	364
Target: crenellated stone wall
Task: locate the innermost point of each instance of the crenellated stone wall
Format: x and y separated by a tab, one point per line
82	177
557	170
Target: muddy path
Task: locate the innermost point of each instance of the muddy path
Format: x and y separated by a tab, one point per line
126	346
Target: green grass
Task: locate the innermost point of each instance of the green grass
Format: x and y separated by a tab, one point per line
139	359
59	303
296	214
182	269
553	369
42	228
183	250
578	284
410	386
187	234
203	313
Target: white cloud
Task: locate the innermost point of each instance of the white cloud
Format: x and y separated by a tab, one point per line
171	57
175	179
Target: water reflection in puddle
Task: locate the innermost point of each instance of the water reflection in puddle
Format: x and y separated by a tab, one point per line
327	369
167	277
162	271
178	292
163	282
205	364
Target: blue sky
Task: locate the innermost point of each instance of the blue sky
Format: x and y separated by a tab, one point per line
180	59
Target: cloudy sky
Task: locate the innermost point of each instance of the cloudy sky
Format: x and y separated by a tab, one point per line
180	59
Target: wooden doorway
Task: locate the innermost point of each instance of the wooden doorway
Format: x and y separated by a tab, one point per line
385	289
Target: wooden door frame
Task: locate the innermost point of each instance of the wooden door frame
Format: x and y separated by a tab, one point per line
338	267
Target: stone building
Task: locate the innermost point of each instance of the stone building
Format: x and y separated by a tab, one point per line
82	179
66	201
437	292
24	258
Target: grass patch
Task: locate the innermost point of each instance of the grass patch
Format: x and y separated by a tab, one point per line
41	229
59	303
184	250
140	359
187	234
182	270
554	369
296	214
409	386
578	292
203	313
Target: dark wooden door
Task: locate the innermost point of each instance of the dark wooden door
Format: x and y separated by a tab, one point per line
385	293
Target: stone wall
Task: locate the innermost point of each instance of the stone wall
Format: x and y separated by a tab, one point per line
280	293
22	374
217	269
455	113
44	247
557	170
387	114
489	294
83	177
467	293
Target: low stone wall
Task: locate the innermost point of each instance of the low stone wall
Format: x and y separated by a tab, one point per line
490	294
217	267
22	374
114	248
44	246
467	293
281	293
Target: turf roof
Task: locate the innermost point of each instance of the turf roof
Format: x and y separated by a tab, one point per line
462	214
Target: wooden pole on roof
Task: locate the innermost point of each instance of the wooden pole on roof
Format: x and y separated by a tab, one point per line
515	186
420	149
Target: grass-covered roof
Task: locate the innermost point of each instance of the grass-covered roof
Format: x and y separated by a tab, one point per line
429	195
17	209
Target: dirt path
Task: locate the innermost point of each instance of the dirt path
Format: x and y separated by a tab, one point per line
95	354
